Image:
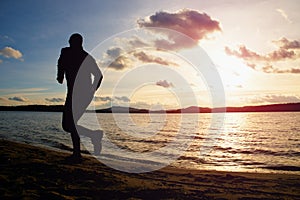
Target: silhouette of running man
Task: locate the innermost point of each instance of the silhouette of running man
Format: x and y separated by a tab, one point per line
73	61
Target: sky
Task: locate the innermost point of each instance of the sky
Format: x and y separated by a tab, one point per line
155	54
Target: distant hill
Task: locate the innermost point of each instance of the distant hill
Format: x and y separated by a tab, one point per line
288	107
119	109
38	108
267	108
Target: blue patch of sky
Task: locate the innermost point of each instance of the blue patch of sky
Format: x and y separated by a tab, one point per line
38	29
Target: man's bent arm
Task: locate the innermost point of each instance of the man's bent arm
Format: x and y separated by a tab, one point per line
60	69
98	76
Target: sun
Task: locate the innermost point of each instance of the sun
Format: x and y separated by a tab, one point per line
233	72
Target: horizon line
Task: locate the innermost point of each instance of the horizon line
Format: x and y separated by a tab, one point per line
190	109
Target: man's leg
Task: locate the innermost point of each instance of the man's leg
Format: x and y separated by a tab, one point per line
76	143
69	126
82	102
95	135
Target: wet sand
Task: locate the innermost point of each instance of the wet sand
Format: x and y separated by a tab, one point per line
30	172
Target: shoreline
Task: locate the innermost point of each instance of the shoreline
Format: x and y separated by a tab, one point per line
33	172
280	107
110	159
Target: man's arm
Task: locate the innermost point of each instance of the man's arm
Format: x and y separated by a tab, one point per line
98	76
60	69
100	79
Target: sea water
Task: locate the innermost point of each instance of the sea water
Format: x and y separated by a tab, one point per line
254	142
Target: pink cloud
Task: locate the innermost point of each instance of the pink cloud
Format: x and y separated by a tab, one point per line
164	83
287	51
190	22
243	53
287	44
142	56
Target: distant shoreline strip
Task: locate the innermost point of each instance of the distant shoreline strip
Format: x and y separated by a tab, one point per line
288	107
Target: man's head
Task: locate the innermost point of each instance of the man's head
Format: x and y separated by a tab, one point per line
76	40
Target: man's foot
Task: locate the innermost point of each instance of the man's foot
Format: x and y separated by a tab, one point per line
96	140
74	159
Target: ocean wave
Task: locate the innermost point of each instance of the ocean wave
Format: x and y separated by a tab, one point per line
282	168
128	159
252	145
257	151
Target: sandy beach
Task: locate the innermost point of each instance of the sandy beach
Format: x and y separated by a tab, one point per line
30	172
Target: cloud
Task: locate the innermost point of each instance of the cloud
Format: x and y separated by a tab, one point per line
102	99
20	99
55	100
116	58
133	42
123	98
9	52
286	51
280	54
287	44
141	105
120	63
249	55
114	52
276	99
165	33
164	83
284	15
243	53
190	22
109	99
142	56
271	69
